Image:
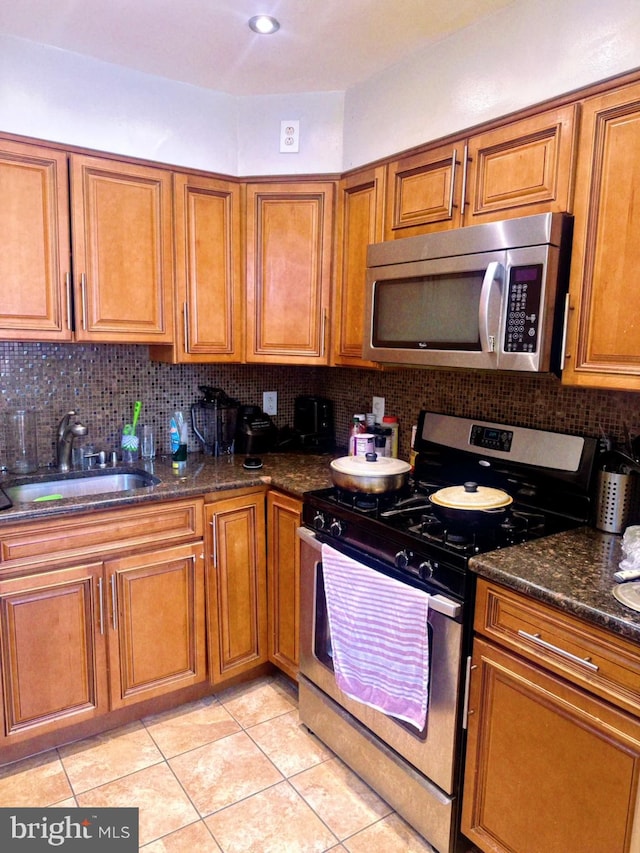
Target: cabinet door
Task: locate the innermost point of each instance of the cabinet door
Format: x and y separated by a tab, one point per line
283	580
156	619
523	168
289	239
547	766
52	650
34	244
122	251
236	586
603	343
424	192
360	222
209	287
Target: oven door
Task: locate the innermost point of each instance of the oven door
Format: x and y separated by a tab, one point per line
433	751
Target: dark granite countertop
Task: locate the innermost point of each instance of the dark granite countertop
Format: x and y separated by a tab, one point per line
572	571
293	473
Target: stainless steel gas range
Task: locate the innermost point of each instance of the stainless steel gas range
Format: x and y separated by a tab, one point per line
399	536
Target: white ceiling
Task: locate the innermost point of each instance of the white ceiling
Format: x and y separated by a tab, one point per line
322	45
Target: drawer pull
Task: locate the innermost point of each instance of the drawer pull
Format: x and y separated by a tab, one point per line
537	639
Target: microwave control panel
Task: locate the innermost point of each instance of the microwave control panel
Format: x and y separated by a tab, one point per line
523	308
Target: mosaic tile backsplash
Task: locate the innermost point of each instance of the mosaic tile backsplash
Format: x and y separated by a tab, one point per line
101	383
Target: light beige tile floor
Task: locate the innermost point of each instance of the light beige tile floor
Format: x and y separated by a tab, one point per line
234	773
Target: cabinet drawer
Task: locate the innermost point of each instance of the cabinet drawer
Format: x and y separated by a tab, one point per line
584	654
99	533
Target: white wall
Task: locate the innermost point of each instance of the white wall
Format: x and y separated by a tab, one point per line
321	117
525	53
63	97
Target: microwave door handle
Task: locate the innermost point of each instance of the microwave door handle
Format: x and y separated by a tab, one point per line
492	281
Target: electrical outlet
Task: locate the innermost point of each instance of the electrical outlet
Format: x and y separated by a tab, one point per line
377	407
270	402
290	136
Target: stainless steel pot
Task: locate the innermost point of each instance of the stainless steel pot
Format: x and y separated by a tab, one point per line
370	474
471	505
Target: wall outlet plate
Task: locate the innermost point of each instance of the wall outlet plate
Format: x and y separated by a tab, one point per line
377	407
290	136
270	402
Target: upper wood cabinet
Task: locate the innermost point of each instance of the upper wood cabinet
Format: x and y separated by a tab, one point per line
603	339
209	286
122	251
522	168
360	221
35	263
289	235
424	191
518	169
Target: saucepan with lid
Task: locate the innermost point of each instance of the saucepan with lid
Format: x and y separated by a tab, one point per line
471	505
370	474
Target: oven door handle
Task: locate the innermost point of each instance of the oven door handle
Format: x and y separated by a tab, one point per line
439	603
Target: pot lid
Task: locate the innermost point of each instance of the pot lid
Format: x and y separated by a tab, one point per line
370	467
471	496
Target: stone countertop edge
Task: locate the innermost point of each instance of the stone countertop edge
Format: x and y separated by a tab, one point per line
572	571
294	473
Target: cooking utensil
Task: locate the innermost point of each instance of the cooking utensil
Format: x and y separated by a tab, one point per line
470	504
130	440
370	474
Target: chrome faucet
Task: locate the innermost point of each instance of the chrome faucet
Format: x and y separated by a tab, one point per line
65	434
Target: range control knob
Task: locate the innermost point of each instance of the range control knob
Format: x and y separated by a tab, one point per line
426	570
402	559
319	521
337	527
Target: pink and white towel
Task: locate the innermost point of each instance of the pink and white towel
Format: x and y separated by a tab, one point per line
379	636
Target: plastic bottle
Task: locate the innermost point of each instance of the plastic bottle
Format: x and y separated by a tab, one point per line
391	422
357	427
178	434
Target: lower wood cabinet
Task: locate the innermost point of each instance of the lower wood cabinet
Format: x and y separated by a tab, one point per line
155	623
284	515
550	765
236	585
80	641
53	650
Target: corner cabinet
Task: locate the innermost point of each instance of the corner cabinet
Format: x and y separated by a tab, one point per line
516	169
289	233
553	749
122	251
360	221
603	340
236	584
35	259
209	285
284	514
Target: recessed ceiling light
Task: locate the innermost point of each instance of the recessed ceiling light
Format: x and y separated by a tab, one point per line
264	24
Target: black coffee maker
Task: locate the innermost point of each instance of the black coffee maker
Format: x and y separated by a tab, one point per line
256	433
313	423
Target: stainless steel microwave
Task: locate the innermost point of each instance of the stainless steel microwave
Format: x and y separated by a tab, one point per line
486	296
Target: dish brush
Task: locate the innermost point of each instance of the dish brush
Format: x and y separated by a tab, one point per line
130	440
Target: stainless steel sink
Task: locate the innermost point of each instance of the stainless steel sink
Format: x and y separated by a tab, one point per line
79	485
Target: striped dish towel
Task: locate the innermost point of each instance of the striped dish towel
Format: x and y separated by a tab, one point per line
379	637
